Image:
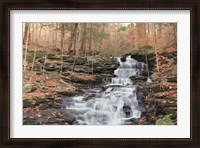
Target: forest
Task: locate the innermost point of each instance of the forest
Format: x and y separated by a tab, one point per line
99	73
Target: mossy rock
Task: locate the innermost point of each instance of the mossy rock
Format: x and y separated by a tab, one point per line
155	76
52	56
35	101
172	79
29	88
29	103
50	67
66	92
81	69
80	61
166	120
170	110
68	59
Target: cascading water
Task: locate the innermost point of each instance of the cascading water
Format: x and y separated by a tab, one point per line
116	105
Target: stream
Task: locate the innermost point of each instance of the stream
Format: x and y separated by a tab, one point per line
113	104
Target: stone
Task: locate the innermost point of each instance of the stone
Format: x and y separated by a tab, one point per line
65	93
52	56
80	61
29	88
172	79
50	67
138	78
81	69
29	103
127	110
155	76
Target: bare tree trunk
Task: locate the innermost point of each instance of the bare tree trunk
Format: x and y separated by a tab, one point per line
44	65
74	63
36	34
25	33
175	31
33	63
90	40
32	33
147	32
138	35
62	35
147	65
75	56
100	43
83	40
92	62
157	65
41	26
133	39
54	34
62	46
26	50
159	30
73	33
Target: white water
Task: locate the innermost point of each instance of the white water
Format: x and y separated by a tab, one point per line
116	105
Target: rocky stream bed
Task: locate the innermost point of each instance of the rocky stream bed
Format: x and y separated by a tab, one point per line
44	99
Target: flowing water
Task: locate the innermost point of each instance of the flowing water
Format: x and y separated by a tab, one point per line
116	105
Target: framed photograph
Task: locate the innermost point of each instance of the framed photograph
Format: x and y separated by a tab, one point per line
100	73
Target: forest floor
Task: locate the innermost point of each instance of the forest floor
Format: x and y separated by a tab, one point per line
45	87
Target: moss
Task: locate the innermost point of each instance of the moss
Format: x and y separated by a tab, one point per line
166	120
155	76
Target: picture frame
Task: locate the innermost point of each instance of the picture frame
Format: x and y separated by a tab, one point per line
5	83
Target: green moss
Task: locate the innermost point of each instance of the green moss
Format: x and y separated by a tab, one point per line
91	59
166	120
155	76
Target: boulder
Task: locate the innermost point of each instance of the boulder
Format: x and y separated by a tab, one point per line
127	110
140	57
65	92
172	79
82	69
138	78
52	56
155	76
68	59
35	101
29	88
80	61
50	67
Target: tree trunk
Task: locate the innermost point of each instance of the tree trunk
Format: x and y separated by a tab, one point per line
26	50
40	31
43	72
62	35
83	40
36	34
75	35
62	45
72	37
26	32
90	40
33	63
175	31
147	33
157	65
159	29
133	39
100	43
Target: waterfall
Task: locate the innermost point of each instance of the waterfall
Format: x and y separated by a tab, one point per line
116	105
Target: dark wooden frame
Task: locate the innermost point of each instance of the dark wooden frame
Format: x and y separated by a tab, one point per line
192	5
